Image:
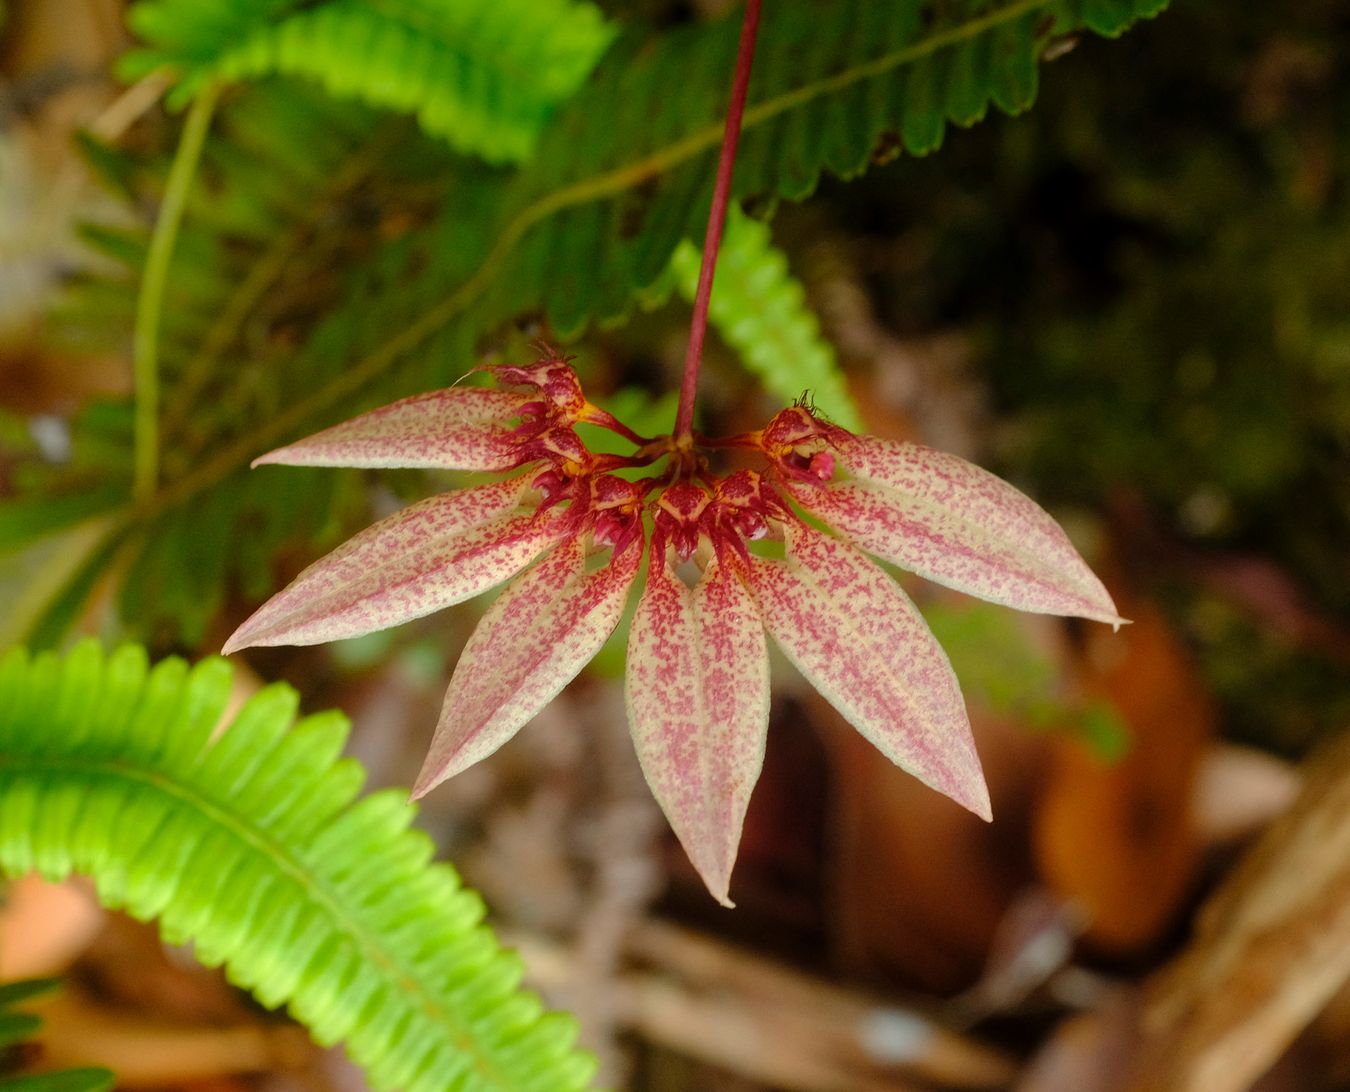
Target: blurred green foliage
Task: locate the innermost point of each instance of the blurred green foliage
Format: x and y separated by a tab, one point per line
18	1028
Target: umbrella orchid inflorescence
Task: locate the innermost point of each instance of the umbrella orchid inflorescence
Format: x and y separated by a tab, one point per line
731	560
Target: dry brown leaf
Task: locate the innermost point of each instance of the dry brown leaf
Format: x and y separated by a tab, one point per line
1118	838
772	1024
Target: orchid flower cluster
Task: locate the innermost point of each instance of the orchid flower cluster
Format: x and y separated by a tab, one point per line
781	551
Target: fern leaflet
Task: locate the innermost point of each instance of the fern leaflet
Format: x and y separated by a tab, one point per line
483	74
250	260
251	844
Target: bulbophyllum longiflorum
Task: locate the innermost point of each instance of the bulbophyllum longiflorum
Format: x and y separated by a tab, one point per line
731	560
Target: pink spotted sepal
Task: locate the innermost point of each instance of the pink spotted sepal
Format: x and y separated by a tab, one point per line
534	639
857	638
697	691
462	428
936	515
436	553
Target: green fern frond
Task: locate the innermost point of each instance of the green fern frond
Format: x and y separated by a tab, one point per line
483	74
251	844
760	310
625	171
16	1028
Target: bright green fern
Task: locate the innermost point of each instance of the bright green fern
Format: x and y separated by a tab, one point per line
251	844
483	74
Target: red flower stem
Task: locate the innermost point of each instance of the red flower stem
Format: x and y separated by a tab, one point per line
602	419
717	216
743	439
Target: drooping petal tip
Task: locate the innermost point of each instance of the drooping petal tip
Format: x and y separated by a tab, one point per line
980	804
423	785
856	637
534	639
956	524
697	692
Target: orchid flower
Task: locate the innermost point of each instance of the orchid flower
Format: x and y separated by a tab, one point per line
731	561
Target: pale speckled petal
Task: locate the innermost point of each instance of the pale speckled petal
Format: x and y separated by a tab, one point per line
951	522
533	640
437	552
462	428
697	690
857	638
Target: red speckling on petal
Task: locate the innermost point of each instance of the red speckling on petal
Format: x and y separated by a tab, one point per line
543	629
560	445
463	428
438	552
858	639
956	524
697	687
697	690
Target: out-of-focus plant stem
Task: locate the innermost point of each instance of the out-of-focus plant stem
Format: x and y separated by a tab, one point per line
154	282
